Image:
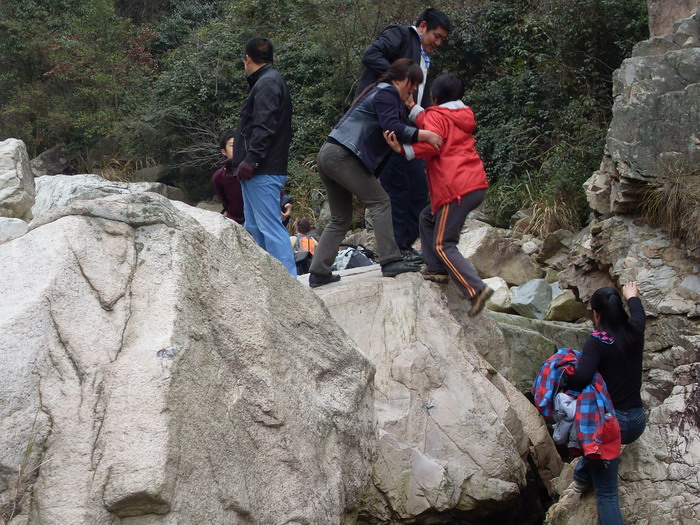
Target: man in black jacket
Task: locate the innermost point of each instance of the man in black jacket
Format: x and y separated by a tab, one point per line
262	149
404	180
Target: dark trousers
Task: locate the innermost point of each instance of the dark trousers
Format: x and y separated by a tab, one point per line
405	183
344	175
439	235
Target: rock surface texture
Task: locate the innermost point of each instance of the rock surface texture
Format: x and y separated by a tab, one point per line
16	181
61	190
455	438
165	370
656	117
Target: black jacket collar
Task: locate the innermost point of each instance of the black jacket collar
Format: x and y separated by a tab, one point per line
252	79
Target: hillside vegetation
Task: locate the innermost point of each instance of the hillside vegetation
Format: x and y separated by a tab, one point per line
130	84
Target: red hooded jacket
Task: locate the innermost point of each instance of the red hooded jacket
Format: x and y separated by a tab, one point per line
456	169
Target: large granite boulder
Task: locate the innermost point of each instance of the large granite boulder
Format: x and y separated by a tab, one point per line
16	181
165	370
455	438
61	190
494	253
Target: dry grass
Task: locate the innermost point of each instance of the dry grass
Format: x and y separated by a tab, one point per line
20	490
551	215
672	201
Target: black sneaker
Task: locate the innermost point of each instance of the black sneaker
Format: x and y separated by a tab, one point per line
316	280
394	268
479	301
411	256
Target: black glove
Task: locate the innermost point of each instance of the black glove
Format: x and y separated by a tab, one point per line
244	171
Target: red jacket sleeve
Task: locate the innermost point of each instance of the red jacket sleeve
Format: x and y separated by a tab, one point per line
433	122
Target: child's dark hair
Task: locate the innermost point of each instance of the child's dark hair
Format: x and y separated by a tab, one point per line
401	69
446	88
225	137
303	225
613	317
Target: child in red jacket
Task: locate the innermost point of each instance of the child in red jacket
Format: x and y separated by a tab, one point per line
457	183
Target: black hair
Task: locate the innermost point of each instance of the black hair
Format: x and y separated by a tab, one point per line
401	69
607	302
446	88
259	50
433	19
225	137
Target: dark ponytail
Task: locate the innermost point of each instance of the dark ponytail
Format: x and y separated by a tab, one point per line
607	302
401	69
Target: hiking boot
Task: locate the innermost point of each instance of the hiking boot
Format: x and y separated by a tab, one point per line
479	301
316	280
394	268
439	277
411	256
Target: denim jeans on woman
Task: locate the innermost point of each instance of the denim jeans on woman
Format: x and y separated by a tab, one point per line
603	474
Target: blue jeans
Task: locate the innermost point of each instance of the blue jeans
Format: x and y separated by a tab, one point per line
261	208
603	474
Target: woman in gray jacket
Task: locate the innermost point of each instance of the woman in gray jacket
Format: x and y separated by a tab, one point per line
354	151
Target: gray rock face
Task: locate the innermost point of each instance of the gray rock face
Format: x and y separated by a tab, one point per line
61	190
16	181
454	435
52	161
565	307
532	298
656	118
663	14
168	371
530	342
629	251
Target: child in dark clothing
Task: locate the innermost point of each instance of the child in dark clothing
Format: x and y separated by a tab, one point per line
226	186
457	182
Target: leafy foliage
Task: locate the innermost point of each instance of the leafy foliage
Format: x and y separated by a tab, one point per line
149	82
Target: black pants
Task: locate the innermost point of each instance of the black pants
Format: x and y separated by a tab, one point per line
405	183
439	236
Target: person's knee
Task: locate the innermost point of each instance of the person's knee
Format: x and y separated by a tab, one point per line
382	204
340	222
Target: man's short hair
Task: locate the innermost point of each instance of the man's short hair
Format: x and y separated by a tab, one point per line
259	50
225	137
433	19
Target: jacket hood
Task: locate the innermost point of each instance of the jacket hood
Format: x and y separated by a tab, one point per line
457	112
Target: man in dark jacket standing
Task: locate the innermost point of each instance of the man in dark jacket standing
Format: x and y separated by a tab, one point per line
262	149
403	180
